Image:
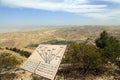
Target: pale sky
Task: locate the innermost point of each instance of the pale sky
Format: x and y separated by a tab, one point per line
22	13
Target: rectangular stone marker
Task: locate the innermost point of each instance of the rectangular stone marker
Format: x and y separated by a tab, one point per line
45	60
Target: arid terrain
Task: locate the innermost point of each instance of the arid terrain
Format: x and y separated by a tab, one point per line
24	39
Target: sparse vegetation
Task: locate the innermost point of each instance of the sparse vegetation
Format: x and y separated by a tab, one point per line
32	45
51	42
9	76
80	60
89	58
8	60
58	42
21	52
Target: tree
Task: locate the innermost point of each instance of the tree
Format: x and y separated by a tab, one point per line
109	46
101	41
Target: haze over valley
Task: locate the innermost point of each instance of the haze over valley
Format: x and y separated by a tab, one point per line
36	36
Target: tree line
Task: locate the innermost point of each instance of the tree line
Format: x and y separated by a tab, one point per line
21	52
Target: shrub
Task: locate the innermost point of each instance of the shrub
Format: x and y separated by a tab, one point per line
7	60
85	56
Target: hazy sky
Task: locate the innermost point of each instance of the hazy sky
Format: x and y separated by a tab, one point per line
21	13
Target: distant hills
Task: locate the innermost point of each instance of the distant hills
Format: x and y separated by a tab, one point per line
72	33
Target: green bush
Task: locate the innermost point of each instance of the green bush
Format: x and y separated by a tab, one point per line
85	56
72	54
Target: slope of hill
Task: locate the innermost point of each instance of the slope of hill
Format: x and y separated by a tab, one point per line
22	39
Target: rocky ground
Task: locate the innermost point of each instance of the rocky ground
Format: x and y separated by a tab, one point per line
18	74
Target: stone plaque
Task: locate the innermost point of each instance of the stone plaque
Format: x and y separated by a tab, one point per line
45	60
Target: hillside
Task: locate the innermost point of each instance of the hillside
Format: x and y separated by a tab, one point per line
24	38
22	42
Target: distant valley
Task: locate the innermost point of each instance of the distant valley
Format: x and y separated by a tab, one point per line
79	33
